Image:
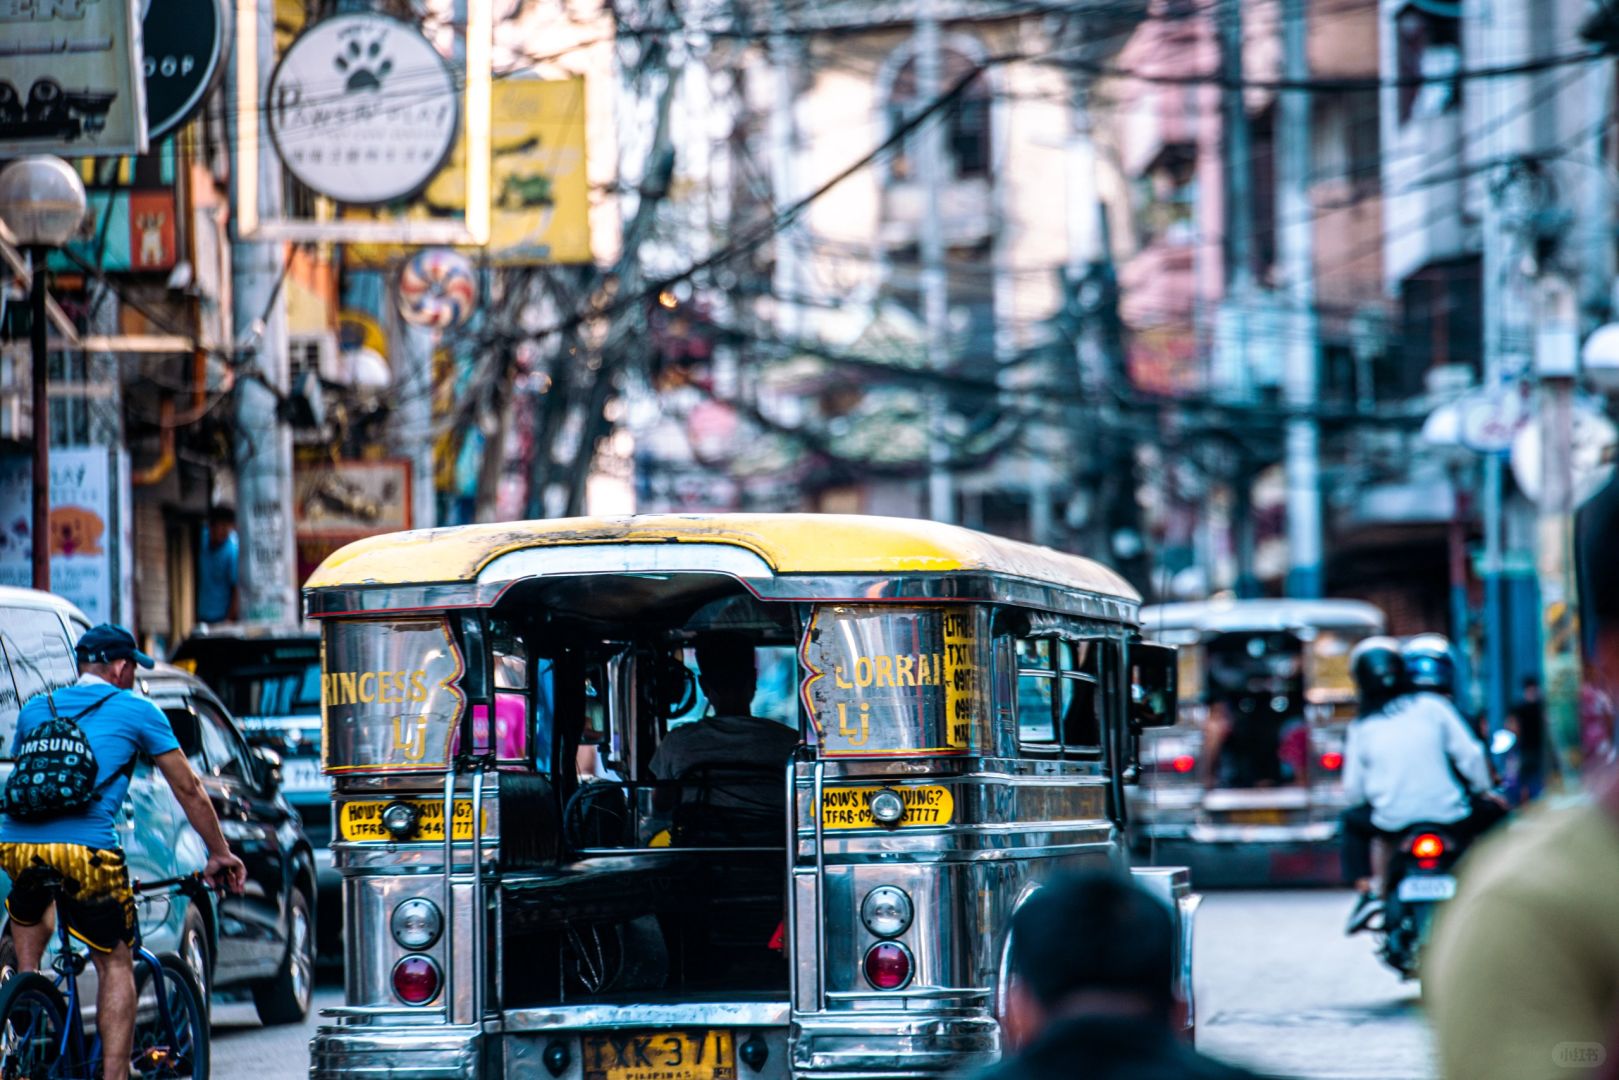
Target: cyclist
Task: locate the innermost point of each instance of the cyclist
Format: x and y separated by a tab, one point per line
80	849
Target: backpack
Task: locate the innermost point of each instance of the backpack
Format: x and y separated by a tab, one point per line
55	773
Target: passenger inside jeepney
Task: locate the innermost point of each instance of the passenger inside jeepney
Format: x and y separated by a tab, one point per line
635	666
730	762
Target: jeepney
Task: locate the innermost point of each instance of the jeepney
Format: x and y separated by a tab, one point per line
963	714
1248	784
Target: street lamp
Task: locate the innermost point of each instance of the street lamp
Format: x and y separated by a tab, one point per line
42	203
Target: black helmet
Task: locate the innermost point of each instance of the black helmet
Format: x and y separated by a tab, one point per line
1429	664
1378	671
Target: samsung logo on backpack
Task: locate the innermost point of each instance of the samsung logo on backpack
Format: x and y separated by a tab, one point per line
72	746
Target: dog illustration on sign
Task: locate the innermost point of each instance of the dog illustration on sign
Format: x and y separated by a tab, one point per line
76	530
365	66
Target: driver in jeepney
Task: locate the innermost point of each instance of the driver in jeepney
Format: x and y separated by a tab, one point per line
734	757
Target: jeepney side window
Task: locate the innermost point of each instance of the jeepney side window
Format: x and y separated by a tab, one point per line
1058	696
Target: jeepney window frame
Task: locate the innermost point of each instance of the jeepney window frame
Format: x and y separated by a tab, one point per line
1060	633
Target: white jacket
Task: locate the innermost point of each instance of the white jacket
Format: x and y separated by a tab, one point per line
1399	759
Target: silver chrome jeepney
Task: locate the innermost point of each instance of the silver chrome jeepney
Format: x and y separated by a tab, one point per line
965	712
1247	785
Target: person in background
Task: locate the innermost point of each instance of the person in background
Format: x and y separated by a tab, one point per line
1408	758
1528	718
1521	978
81	849
218	599
1092	988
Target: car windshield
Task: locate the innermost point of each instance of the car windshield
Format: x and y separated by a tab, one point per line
273	691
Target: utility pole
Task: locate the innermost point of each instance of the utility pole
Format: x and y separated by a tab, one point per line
1557	332
263	450
935	283
1300	375
786	282
1237	150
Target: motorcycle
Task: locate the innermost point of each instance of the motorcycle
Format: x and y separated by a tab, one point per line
1420	876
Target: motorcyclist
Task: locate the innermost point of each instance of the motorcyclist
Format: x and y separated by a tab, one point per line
1408	757
1430	668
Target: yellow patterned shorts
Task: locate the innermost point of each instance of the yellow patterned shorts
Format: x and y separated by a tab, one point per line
95	896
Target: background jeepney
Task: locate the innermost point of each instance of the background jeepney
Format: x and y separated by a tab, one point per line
1260	803
968	709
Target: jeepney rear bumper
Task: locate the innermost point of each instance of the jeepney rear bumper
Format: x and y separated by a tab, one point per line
846	1046
394	1052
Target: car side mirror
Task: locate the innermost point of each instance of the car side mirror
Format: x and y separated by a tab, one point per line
1153	676
269	769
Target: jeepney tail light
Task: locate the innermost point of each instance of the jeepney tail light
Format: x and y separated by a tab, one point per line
1332	761
888	965
1183	763
416	980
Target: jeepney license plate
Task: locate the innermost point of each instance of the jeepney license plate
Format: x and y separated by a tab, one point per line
363	820
1427	887
660	1055
1257	817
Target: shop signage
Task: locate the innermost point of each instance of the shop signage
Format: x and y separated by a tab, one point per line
363	109
184	43
68	82
85	536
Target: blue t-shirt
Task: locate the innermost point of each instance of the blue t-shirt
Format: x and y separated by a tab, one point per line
216	578
125	726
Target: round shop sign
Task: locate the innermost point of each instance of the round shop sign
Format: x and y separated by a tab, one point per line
184	43
363	109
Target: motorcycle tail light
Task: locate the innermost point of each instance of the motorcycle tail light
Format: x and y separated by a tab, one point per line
888	965
1332	761
1427	846
416	980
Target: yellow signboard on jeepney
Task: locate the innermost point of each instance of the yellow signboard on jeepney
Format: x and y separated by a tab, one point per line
884	679
390	695
539	193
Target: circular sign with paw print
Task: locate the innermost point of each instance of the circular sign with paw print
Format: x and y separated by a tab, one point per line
363	109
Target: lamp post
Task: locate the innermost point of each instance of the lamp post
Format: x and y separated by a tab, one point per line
42	203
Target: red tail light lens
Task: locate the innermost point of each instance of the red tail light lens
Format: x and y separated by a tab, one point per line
416	980
888	965
1332	761
1427	846
1183	763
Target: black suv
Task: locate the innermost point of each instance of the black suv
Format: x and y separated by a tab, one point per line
270	681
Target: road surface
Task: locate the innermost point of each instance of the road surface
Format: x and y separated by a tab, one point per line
1279	989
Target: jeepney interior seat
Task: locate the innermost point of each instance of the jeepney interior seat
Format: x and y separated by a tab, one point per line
751	811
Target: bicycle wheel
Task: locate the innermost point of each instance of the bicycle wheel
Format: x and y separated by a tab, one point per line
170	1041
32	1027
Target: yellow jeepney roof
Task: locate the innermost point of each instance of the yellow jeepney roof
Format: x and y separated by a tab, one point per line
788	543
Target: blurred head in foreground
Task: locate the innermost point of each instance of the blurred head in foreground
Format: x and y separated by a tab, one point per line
1091	945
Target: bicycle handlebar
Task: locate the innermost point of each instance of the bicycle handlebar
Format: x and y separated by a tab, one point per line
186	884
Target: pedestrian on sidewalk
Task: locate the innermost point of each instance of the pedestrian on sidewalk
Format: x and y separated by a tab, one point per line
1092	995
217	596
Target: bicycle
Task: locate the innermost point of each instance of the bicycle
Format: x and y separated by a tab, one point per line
42	1033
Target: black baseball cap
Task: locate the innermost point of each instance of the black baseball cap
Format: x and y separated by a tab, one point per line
105	643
